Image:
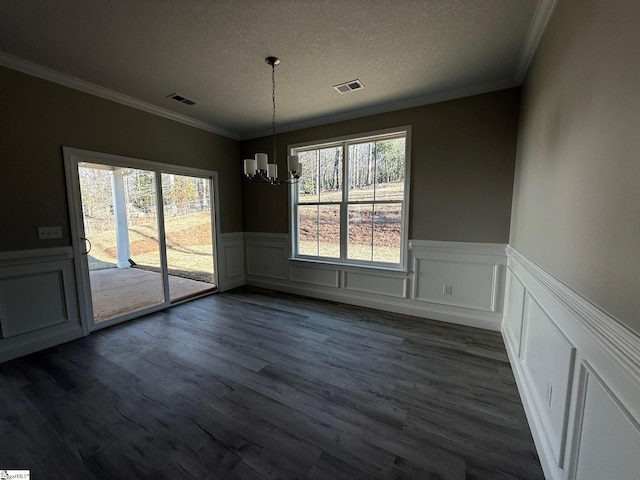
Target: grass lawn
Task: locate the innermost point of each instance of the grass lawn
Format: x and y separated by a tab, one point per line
356	251
189	251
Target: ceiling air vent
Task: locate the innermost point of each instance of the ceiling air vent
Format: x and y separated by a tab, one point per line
182	99
349	86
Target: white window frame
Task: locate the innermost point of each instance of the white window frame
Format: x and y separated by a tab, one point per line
344	203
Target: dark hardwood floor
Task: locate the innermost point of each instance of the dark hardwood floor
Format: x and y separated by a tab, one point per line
252	384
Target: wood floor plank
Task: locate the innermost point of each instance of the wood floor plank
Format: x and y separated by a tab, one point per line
329	467
352	449
254	384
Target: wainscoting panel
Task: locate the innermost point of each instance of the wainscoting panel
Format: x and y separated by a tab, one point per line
475	270
377	284
549	373
472	284
604	419
234	260
19	313
266	255
38	301
578	373
513	305
315	275
231	261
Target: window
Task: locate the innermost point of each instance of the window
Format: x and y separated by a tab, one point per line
350	204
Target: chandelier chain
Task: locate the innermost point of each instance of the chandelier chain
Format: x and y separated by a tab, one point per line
273	100
259	169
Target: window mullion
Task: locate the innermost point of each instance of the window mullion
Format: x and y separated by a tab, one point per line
318	191
318	230
344	228
318	188
373	207
344	211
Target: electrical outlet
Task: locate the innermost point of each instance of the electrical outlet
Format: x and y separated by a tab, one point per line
447	289
47	233
549	392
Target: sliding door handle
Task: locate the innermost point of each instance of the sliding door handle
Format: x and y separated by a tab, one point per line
86	242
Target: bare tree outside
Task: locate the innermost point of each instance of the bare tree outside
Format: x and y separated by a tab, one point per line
375	198
187	211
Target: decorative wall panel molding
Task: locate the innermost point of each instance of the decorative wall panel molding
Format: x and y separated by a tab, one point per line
38	301
19	313
472	285
513	310
231	261
578	372
618	340
377	284
475	272
266	262
314	274
604	417
548	363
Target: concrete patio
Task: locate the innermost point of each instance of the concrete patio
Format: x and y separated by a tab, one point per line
116	291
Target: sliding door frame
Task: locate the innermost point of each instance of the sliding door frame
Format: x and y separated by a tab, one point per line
72	158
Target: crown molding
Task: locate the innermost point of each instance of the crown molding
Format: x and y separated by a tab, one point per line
45	73
390	107
541	17
537	26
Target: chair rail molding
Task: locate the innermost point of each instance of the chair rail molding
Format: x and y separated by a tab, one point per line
475	271
619	341
21	257
578	372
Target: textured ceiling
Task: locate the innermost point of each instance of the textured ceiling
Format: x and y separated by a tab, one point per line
213	51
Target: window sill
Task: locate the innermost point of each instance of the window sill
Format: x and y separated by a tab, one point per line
351	266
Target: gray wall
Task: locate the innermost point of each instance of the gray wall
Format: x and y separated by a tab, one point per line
463	154
576	209
38	117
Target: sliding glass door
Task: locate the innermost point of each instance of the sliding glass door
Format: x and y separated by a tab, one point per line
120	223
144	234
188	235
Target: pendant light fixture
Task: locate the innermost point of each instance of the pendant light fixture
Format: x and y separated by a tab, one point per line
258	169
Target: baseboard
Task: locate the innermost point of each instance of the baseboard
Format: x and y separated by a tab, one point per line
472	272
484	320
230	285
17	351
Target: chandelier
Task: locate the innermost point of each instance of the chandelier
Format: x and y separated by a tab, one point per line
258	169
